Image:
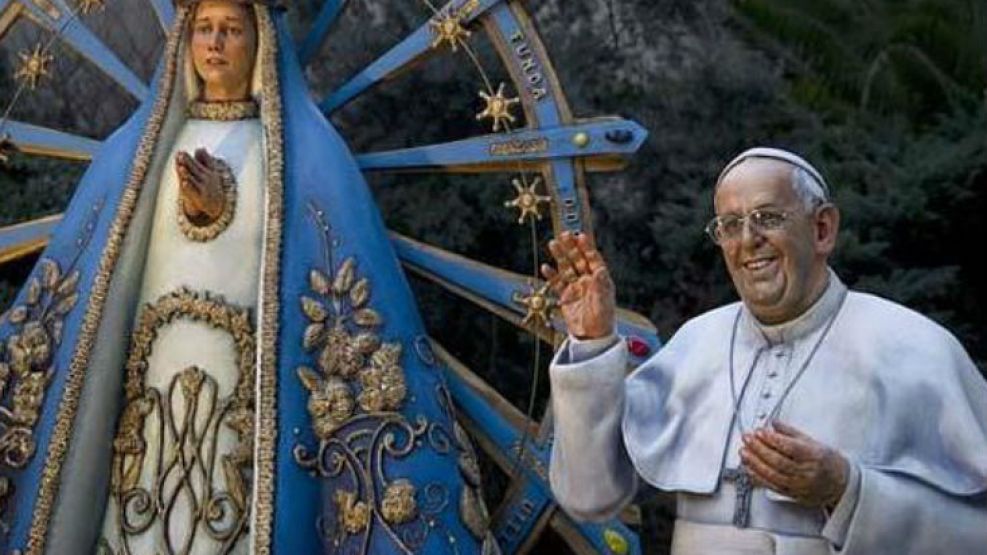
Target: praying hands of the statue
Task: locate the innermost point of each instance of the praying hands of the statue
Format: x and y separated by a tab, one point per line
784	459
583	286
200	179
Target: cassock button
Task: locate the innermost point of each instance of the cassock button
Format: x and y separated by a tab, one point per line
780	353
773	374
766	395
762	415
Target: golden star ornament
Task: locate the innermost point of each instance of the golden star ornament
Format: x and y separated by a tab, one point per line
498	108
538	305
448	28
527	199
34	66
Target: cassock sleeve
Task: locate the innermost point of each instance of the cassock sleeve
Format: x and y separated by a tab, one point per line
590	473
899	515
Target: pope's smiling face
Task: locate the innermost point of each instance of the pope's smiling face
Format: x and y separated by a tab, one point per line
223	44
780	272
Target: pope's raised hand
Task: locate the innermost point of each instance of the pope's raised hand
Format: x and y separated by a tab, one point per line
200	181
790	462
582	283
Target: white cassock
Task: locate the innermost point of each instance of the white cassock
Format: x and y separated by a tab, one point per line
894	392
184	469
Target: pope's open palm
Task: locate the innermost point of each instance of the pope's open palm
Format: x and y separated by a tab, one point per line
583	285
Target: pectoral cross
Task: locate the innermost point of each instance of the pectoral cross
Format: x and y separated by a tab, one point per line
745	486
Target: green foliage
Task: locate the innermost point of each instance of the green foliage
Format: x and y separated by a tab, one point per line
913	58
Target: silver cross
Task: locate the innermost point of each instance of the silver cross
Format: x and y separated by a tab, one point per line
744	485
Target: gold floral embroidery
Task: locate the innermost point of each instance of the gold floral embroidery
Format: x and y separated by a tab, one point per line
351	357
223	111
188	415
354	515
26	364
204	233
399	504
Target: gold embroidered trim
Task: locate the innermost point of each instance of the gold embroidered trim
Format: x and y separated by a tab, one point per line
189	453
231	110
271	119
62	430
202	234
26	364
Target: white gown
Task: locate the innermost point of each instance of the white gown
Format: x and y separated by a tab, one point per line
186	485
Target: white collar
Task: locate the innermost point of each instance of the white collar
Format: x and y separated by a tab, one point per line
804	324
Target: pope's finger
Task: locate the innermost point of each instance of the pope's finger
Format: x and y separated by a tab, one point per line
579	261
763	471
789	430
553	278
778	461
560	254
797	449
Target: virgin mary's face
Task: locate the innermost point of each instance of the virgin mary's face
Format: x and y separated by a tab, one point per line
223	43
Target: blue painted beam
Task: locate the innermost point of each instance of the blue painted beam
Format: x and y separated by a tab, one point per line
500	288
518	515
498	426
25	238
165	12
317	34
413	47
34	139
602	137
81	39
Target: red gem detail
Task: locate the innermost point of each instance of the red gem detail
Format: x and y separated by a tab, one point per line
638	347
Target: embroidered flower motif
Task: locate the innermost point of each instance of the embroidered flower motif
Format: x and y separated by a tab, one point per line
399	505
356	370
330	402
353	514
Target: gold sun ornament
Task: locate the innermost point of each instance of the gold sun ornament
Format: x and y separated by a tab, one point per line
34	66
498	108
538	305
448	28
527	199
91	6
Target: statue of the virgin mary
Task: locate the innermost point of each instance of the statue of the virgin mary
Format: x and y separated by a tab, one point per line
218	352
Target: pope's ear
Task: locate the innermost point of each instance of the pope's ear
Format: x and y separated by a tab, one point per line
827	227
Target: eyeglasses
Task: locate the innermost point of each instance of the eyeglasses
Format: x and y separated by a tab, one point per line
730	227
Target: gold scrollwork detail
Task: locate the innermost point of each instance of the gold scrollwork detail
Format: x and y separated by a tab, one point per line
26	358
188	416
211	230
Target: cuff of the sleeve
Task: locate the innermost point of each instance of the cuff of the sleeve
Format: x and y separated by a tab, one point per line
607	369
838	523
581	350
